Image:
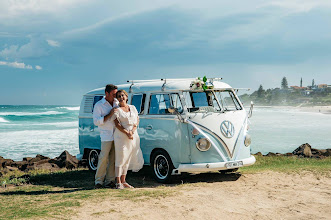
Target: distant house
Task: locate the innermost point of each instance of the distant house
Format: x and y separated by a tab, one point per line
322	86
300	89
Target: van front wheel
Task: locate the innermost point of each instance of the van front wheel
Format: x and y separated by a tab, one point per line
93	156
161	166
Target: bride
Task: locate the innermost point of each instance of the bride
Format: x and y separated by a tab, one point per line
128	155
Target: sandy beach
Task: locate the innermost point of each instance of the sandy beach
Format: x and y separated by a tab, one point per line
317	109
265	195
320	109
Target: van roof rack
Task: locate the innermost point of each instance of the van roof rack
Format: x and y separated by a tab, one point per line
158	80
165	81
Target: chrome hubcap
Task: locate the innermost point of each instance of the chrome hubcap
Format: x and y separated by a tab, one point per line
93	159
161	167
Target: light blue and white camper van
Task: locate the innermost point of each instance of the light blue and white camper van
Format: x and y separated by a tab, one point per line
186	125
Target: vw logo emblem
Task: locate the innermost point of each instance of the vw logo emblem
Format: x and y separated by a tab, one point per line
227	129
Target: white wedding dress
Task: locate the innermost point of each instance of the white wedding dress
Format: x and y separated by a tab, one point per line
128	155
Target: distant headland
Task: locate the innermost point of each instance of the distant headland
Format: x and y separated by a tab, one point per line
296	95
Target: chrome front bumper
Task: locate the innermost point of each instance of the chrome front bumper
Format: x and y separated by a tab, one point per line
207	167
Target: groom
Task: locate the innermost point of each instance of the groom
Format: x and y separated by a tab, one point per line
103	111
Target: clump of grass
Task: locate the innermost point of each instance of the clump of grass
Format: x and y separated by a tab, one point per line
289	164
66	204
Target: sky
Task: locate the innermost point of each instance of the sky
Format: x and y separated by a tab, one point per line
53	52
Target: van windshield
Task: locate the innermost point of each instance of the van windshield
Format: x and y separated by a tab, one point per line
211	101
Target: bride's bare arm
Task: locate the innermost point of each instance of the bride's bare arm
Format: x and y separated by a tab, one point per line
120	127
135	126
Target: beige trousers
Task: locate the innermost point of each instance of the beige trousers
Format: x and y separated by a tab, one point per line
106	163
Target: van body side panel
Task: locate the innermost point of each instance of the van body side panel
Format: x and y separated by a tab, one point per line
165	132
89	135
186	143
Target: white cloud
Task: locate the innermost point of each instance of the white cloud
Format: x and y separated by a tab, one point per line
9	51
16	65
53	43
35	48
300	5
38	67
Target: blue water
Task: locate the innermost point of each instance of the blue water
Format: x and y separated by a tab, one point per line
48	130
282	130
29	130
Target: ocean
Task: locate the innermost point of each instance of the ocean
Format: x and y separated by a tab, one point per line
49	130
26	131
282	130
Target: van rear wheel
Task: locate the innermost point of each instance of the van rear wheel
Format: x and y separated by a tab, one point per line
92	158
162	166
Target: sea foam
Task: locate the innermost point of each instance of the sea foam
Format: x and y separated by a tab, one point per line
3	120
70	108
31	113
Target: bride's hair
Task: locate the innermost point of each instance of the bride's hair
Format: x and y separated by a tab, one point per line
123	91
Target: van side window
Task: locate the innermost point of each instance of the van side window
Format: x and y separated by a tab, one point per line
96	99
175	100
159	103
138	100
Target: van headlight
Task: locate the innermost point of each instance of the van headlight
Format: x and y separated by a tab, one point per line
248	140
203	144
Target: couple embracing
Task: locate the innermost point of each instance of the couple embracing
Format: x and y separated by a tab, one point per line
120	143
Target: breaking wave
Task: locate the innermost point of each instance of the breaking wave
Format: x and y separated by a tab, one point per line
70	108
31	113
3	120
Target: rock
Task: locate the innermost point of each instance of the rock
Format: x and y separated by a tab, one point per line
21	165
38	158
65	160
42	161
46	166
1	173
27	159
5	162
271	154
288	154
304	150
259	154
327	153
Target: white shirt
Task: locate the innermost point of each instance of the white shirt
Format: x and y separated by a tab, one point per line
106	128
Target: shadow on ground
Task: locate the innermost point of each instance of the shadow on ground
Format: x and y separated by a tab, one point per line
77	180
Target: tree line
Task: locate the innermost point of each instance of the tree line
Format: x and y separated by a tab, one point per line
286	96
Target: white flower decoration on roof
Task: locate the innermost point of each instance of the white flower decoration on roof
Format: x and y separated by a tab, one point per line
199	84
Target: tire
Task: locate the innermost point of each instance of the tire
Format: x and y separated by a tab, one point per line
92	159
161	166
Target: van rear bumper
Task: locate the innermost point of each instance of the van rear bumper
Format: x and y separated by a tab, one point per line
206	167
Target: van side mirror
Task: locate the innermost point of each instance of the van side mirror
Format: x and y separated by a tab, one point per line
251	110
175	110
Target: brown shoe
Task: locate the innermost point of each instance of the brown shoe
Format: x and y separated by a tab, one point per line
98	186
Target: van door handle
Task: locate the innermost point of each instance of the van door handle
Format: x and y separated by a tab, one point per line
149	127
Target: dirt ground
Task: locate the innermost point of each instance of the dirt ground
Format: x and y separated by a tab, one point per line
267	195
